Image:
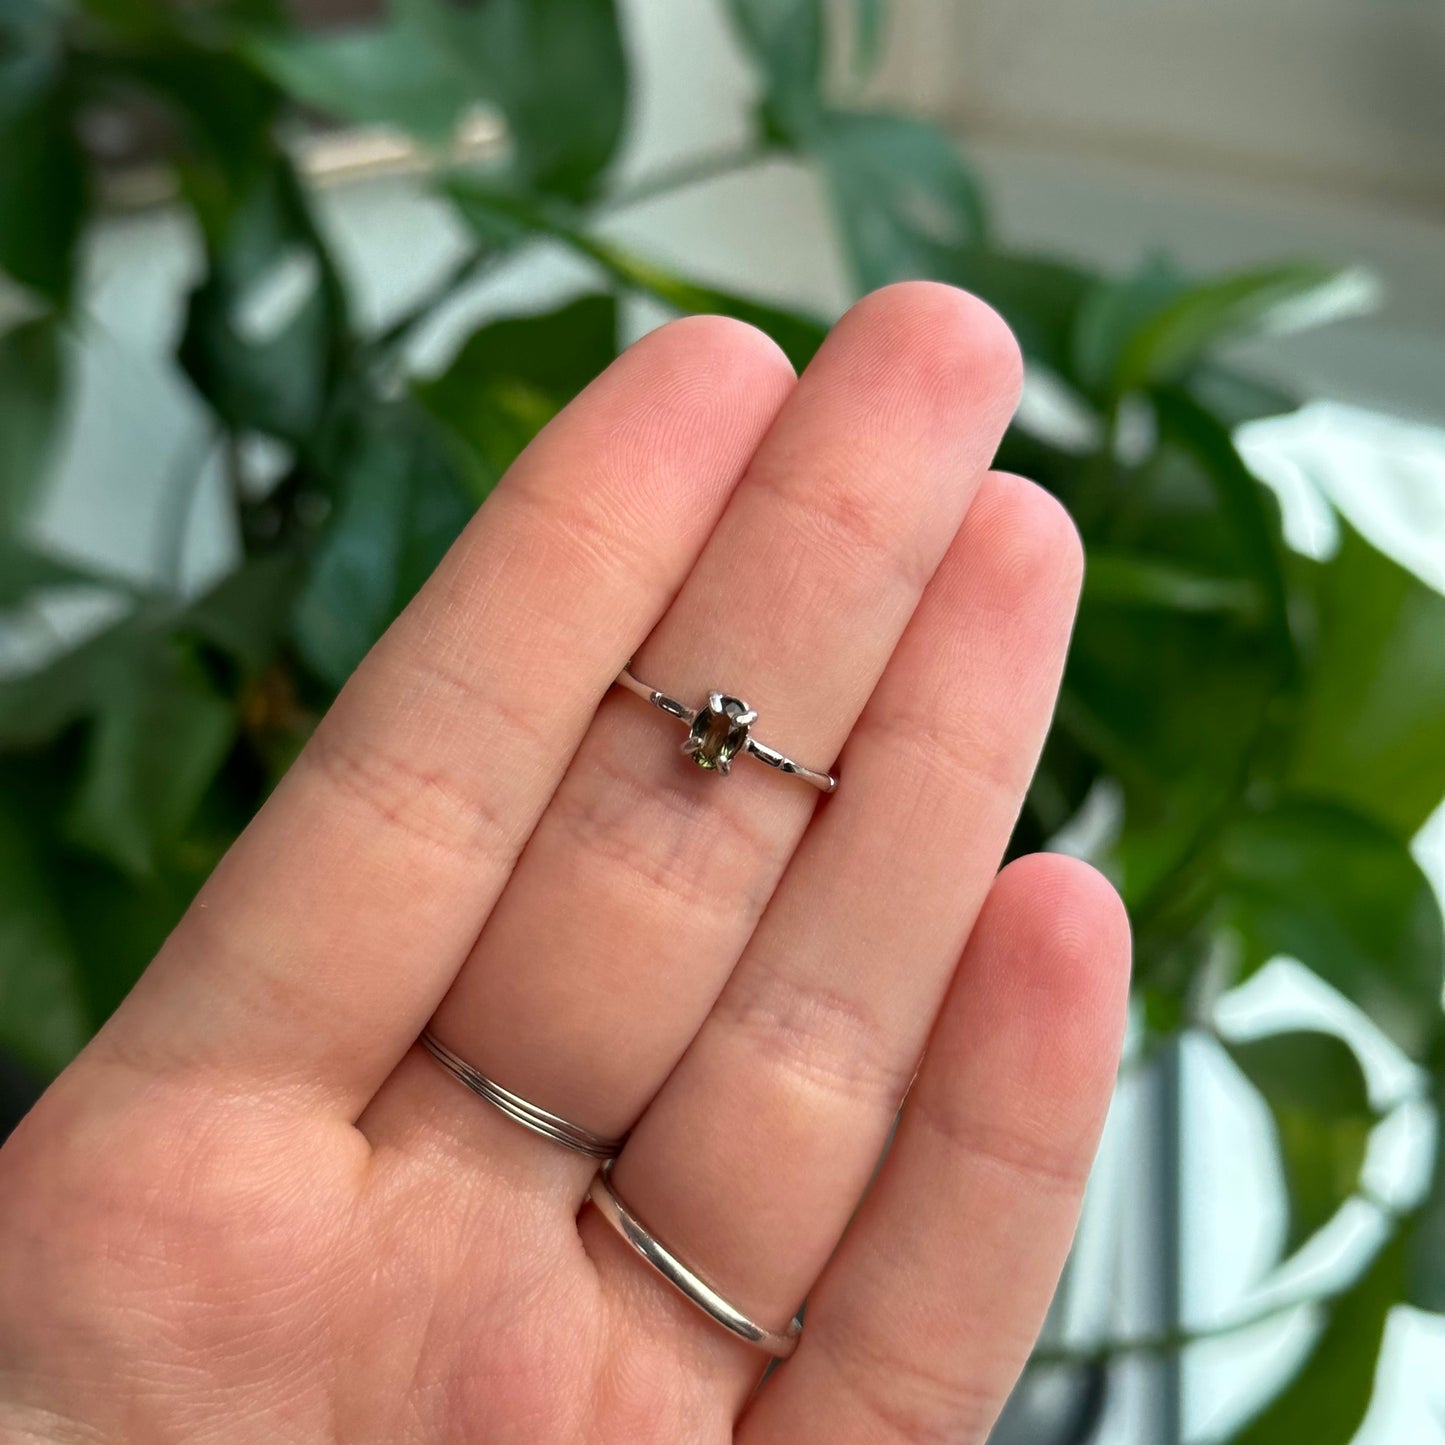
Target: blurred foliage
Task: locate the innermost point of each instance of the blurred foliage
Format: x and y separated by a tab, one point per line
1271	727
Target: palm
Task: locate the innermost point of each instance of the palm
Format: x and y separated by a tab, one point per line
320	1291
253	1210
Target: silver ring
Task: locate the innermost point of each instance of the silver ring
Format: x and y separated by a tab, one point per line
720	731
530	1116
692	1287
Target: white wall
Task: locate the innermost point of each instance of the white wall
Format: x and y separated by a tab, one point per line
1343	94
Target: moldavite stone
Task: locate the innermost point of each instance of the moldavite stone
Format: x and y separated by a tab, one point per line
719	732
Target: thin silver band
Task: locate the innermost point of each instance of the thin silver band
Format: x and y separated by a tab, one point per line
824	782
530	1116
691	1286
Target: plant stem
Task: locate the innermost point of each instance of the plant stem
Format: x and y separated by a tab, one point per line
231	463
1172	1340
1169	1341
691	172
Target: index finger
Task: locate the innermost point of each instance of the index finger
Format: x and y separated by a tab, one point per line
321	944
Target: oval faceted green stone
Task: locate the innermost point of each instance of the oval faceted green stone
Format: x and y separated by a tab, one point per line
718	733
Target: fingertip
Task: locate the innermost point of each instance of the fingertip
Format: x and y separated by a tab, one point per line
949	351
669	428
1060	937
1067	897
1028	533
721	348
1038	1008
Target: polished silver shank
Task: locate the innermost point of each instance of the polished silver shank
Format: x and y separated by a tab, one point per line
693	1288
734	721
530	1116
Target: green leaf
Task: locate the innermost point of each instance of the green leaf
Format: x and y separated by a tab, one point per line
32	389
1153	326
275	379
43	180
117	922
266	328
1183	706
1246	506
106	923
154	731
224	114
511	377
1173	700
1234	397
1427	1231
903	197
276	385
556	68
787	38
400	502
396	75
1170	702
1326	1401
1065	776
501	217
137	22
154	747
247	612
42	1011
1372	722
868	28
1124	579
43	177
25	571
1307	1071
1332	888
1113	312
31	52
1186	326
1316	1093
37	706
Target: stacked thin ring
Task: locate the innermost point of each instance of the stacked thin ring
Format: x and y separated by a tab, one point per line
689	1284
530	1116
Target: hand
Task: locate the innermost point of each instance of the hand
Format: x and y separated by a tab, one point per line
255	1210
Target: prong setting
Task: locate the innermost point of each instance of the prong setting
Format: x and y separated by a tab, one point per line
719	732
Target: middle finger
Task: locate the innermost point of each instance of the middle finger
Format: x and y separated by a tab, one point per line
646	876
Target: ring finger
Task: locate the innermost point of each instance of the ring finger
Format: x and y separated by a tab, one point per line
645	876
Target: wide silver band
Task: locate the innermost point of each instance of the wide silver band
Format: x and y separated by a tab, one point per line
738	718
692	1287
530	1116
